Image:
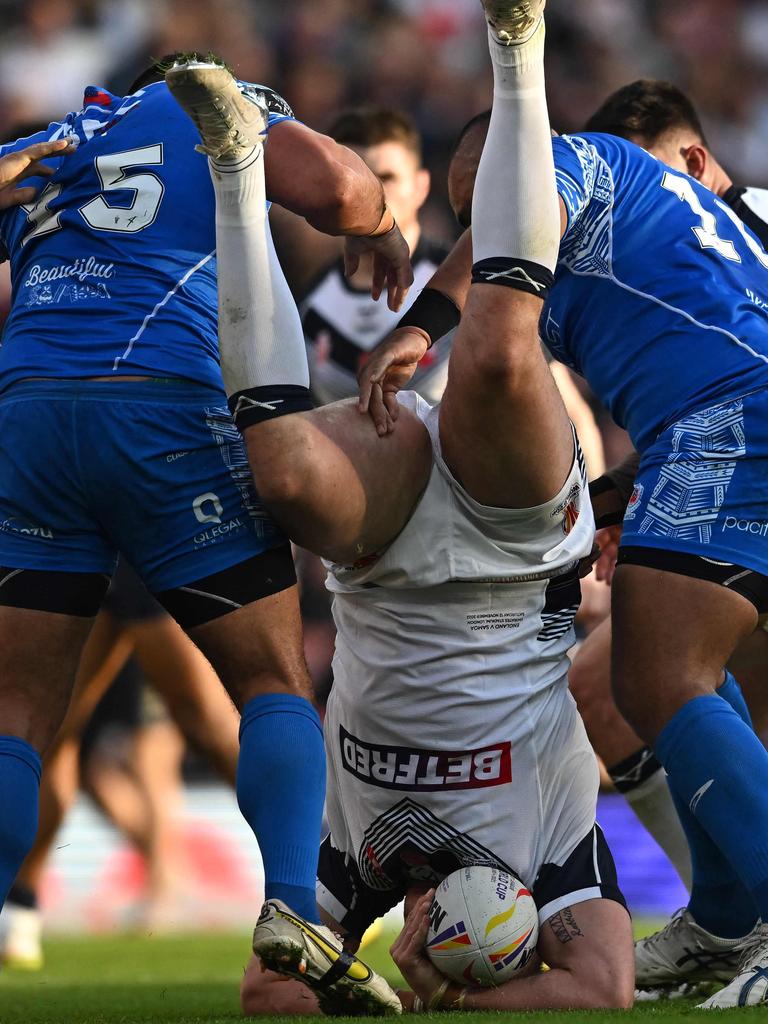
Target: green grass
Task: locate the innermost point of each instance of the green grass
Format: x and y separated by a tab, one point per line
193	979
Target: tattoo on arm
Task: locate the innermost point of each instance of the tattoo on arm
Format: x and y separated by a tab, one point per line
565	927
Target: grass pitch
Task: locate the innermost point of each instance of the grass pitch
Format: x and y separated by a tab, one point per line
193	979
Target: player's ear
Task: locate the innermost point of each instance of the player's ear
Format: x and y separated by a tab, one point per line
423	182
696	159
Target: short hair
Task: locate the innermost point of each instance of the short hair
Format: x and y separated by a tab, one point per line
155	72
484	117
646	109
370	126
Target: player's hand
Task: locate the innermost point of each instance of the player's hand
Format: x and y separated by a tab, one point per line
391	263
26	163
608	541
408	951
388	371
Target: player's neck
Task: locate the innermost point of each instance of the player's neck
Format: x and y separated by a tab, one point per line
720	180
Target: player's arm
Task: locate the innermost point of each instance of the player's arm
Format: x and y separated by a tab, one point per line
337	193
588	949
394	361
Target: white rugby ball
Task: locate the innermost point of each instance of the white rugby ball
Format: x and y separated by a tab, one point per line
483	926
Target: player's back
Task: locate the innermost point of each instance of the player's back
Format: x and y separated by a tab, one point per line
114	265
660	297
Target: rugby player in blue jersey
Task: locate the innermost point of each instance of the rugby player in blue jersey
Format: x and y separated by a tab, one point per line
660	302
116	436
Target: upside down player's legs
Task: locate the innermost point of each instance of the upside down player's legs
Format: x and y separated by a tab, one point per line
328	479
503	426
672	635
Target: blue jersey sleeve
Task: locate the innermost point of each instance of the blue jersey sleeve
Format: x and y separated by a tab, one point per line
576	170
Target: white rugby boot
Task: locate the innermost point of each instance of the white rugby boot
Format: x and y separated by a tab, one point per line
683	953
750	986
21	932
231	120
313	954
513	22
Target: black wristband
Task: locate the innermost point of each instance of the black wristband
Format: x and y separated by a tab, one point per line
432	312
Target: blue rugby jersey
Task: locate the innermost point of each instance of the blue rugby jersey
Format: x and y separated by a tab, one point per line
114	265
661	291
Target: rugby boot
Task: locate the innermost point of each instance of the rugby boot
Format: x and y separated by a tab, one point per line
513	22
231	119
314	955
750	986
684	953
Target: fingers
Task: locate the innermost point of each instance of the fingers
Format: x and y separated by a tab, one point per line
374	372
392	405
351	263
17	196
40	150
378	410
379	278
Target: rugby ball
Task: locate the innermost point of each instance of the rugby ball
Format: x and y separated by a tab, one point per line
483	926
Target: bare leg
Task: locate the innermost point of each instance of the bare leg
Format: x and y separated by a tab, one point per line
193	693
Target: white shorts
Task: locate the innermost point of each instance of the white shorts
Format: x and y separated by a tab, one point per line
405	814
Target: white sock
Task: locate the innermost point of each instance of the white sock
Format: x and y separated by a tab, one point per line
261	342
515	212
653	804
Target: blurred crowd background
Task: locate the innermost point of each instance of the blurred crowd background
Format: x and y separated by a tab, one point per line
427	57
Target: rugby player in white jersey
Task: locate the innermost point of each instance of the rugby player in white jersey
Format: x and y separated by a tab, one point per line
454	547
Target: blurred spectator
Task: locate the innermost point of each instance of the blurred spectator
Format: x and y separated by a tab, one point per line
425	56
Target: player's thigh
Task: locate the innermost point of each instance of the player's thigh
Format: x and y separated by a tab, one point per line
334	485
504	430
749	665
593	942
589	679
672	635
258	648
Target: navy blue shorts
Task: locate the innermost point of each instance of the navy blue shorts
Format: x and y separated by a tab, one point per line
156	470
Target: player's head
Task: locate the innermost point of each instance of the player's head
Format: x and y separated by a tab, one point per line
390	144
464	163
659	117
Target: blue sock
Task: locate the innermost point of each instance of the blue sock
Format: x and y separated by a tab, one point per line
19	791
730	691
281	791
718	773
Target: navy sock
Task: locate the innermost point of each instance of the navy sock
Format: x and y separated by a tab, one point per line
718	773
730	691
19	791
281	790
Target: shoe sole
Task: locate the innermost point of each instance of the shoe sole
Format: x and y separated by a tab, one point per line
344	998
516	23
197	90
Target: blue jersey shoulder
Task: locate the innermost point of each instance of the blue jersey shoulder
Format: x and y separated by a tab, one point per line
121	236
659	295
